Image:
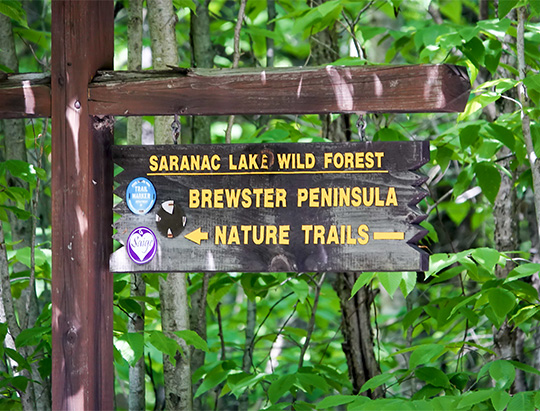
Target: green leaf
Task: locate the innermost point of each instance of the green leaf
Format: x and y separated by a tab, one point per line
489	180
474	397
192	338
487	257
280	387
433	376
376	381
212	379
299	287
390	281
425	353
501	301
408	282
181	4
31	336
503	372
136	342
364	279
411	317
19	212
521	401
335	400
239	382
500	399
505	6
502	134
165	344
14	10
525	367
478	103
469	135
130	305
524	270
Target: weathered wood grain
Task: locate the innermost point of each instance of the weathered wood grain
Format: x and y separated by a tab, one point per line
180	254
82	294
25	95
331	89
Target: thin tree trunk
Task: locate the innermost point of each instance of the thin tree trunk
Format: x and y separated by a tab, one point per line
202	56
136	397
37	396
173	290
247	359
356	319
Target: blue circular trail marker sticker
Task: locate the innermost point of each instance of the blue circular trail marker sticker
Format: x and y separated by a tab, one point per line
141	245
140	196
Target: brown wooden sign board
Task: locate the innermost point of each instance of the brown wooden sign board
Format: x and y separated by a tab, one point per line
274	207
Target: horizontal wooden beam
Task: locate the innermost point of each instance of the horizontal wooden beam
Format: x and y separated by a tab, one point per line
330	89
25	95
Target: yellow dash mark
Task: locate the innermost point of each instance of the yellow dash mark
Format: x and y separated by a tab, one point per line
388	236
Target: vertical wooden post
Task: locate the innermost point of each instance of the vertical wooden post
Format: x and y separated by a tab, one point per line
82	365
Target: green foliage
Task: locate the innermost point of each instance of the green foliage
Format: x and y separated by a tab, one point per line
433	331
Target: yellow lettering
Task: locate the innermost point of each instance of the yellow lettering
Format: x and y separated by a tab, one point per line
302	196
271	234
194	199
284	234
378	201
314	197
269	197
391	198
318	234
205	163
216	162
379	156
232	166
173	166
327	159
242	163
163	166
363	233
184	165
260	239
369	160
332	235
253	162
344	196
246	198
356	197
153	163
284	160
233	236
359	160
246	229
368	202
326	197
206	198
257	192
218	198
195	163
307	230
220	235
281	197
232	197
350	240
310	160
349	160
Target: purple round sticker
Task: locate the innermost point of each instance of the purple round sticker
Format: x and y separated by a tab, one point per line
141	245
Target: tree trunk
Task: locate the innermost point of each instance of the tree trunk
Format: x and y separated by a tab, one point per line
136	398
173	290
38	394
356	319
202	55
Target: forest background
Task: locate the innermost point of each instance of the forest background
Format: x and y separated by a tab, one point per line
463	335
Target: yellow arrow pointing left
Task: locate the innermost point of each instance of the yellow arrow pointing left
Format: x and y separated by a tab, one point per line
197	236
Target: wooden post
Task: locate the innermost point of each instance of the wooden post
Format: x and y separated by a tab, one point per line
82	296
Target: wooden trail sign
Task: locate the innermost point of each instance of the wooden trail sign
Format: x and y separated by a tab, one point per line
270	207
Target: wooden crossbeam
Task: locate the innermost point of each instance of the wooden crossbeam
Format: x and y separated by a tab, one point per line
331	89
25	95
